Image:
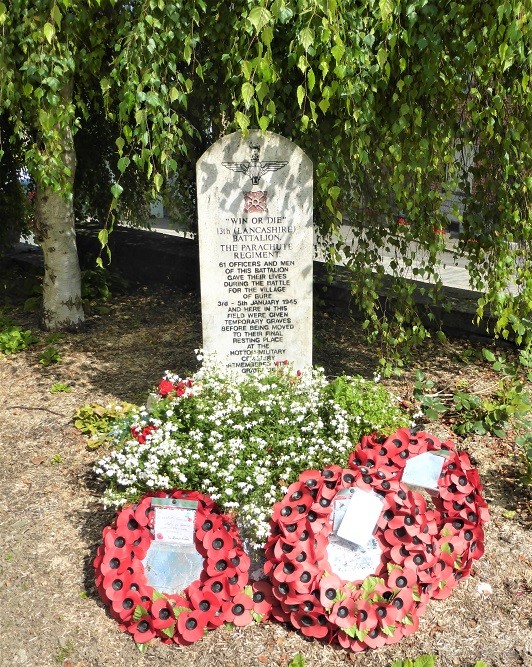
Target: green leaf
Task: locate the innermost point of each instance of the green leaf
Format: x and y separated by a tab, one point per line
179	610
49	32
386	9
3	13
259	17
158	181
139	612
264	121
311	79
103	237
488	355
306	38
248	90
300	95
338	51
123	163
298	661
370	583
169	631
424	661
116	190
382	57
242	120
56	15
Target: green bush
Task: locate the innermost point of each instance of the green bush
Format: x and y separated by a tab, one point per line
14	339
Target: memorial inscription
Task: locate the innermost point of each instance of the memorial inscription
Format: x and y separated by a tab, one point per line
256	250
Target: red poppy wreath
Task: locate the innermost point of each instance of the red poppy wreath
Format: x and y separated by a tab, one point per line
221	593
426	545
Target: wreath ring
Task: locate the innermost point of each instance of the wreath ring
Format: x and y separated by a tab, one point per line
221	594
427	547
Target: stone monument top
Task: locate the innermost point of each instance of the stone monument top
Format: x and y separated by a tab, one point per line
256	250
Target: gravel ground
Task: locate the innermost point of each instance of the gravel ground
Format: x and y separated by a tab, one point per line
52	518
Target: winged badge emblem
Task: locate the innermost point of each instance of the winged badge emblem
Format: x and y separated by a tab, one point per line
254	168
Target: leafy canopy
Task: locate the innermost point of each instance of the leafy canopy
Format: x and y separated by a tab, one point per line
401	105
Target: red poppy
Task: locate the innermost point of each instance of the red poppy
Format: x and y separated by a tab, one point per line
209	523
139	548
239	611
366	615
344	613
117	585
375	638
143	511
218	541
191	625
162	613
128	525
124	607
217	585
310	623
142	630
329	588
262	597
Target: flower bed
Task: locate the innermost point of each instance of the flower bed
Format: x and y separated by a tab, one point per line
243	442
242	439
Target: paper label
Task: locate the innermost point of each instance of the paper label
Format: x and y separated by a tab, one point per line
424	470
360	518
174	520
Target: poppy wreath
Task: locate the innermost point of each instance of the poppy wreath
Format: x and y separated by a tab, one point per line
221	594
426	547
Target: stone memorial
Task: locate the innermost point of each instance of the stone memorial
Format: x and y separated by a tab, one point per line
256	250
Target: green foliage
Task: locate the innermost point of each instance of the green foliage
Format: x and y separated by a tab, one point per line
369	406
96	420
97	288
384	97
422	661
14	339
50	355
60	387
507	404
297	661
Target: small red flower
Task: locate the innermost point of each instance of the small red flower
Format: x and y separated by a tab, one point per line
162	613
191	625
239	612
165	387
142	630
124	606
262	597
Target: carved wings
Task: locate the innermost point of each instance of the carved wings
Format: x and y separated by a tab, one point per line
271	166
255	170
237	166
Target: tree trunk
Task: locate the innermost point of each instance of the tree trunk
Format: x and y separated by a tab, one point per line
54	222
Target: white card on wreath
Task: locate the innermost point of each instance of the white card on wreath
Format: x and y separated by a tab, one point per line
361	516
424	470
174	520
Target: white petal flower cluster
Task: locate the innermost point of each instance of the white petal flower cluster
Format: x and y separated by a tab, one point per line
242	439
